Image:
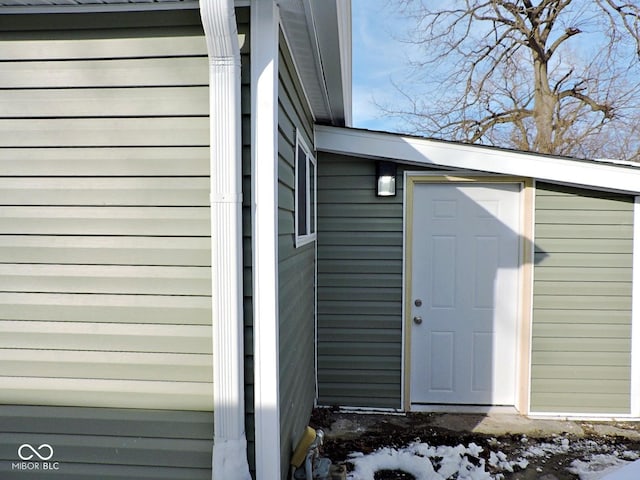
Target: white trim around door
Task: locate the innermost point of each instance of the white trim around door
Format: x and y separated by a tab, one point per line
484	367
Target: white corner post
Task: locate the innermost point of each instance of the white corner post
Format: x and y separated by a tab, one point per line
264	164
635	313
230	444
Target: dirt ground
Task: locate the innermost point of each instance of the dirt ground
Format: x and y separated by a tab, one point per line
556	444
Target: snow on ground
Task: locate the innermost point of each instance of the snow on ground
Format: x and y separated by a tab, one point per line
427	462
423	462
629	472
596	467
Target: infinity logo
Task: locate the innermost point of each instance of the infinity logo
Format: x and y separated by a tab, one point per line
31	452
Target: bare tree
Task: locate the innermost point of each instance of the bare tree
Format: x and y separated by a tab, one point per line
551	76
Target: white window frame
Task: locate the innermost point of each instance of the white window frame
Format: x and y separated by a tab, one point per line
308	235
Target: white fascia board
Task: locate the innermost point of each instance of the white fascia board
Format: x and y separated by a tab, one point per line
345	42
330	28
419	151
264	164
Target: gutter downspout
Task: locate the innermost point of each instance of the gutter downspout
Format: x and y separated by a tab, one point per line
230	444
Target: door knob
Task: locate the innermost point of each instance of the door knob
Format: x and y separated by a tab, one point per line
417	320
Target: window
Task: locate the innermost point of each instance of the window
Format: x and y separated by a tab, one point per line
305	194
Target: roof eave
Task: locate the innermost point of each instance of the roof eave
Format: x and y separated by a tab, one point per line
36	7
421	151
319	36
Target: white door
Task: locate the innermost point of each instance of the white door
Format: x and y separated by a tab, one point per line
464	293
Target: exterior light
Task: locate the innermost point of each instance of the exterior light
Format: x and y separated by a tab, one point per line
386	179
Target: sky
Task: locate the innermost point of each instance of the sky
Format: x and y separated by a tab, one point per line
378	58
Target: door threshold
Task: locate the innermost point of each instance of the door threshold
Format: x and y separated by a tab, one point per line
451	408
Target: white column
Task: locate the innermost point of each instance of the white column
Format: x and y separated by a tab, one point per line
264	143
230	445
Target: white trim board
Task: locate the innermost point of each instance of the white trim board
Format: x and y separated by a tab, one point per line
264	209
617	177
443	177
635	313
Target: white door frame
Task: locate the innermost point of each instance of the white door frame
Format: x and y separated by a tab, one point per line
523	369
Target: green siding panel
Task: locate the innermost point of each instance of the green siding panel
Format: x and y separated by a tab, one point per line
584	231
347	307
591	403
561	358
296	274
107	443
136	162
120	259
105	238
359	286
581	330
547	272
582	217
357	252
596	260
362	279
581	342
567	317
584	345
614	289
584	245
357	267
581	372
356	321
580	302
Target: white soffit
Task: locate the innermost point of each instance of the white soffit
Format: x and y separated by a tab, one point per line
613	176
319	35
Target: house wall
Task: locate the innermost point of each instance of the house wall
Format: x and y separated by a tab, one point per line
296	268
108	443
359	286
105	243
105	273
581	344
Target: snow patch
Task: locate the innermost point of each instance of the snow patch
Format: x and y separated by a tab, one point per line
424	462
499	461
597	467
629	472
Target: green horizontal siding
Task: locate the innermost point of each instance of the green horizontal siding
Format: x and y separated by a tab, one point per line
115	444
105	297
105	243
296	269
581	339
359	286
